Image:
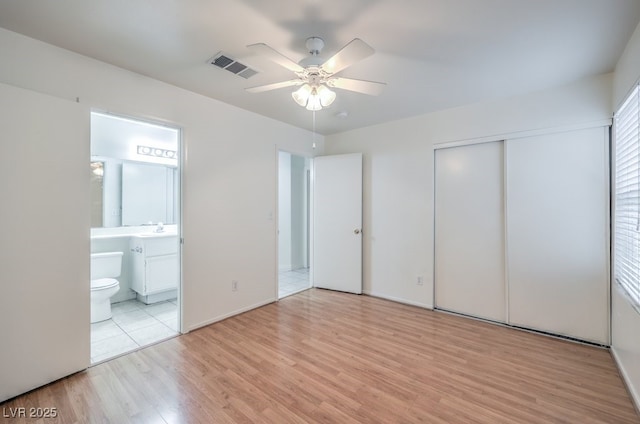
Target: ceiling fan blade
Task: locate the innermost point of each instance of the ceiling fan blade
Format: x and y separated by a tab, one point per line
274	86
275	56
371	88
353	52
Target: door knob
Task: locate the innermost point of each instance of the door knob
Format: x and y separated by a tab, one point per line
356	231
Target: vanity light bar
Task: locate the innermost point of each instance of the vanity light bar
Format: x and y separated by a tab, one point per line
160	153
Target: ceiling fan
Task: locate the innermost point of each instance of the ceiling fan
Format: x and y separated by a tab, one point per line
315	75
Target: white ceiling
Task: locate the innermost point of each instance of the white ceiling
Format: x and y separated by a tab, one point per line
433	54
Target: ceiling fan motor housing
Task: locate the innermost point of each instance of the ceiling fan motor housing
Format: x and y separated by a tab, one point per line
315	77
315	45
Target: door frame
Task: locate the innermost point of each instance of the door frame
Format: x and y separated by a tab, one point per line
310	215
178	197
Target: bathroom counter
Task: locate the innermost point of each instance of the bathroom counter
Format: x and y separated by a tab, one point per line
110	236
132	231
152	235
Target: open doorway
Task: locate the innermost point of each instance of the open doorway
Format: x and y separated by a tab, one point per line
294	219
135	234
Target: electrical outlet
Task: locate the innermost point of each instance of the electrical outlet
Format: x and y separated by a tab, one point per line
234	285
420	280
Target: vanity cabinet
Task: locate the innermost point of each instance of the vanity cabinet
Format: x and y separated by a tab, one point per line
154	266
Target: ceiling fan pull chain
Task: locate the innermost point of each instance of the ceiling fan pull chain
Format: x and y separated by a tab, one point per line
313	134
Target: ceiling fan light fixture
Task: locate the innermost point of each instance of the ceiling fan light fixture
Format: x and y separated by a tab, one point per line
313	97
301	95
314	102
326	96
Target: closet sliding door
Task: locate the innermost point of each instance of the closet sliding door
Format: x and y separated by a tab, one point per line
44	306
469	230
557	233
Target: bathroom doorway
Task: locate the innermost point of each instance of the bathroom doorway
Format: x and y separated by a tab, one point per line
135	174
294	220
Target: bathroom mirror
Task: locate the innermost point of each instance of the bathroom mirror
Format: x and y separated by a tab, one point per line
129	193
138	163
96	178
147	194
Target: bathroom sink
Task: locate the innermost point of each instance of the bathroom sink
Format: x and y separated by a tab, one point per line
156	234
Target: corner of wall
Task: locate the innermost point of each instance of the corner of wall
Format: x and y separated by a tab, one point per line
627	70
633	393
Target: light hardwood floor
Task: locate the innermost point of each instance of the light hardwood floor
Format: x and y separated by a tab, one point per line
322	356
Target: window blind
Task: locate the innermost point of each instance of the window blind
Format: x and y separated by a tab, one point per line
627	196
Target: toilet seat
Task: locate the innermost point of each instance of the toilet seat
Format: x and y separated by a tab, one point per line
103	283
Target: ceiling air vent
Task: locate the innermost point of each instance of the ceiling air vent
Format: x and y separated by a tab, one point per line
225	62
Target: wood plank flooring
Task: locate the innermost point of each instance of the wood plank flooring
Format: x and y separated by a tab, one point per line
322	356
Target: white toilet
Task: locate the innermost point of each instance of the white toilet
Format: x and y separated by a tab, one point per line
105	267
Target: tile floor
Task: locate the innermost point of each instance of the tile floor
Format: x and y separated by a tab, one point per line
291	282
133	325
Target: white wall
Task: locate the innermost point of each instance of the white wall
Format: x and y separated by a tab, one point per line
627	70
229	173
284	211
625	319
398	174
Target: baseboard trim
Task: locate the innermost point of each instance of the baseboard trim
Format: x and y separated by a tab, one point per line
635	399
230	314
398	300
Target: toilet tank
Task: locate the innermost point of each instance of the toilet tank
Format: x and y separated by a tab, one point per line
106	265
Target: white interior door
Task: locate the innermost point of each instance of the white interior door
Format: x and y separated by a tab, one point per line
469	230
557	227
337	219
44	270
